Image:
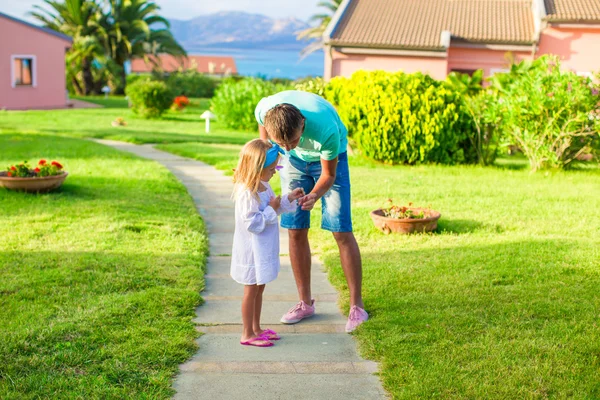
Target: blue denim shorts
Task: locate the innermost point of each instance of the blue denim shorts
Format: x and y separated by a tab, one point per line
336	214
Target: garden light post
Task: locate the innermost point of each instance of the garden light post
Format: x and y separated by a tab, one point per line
207	116
106	91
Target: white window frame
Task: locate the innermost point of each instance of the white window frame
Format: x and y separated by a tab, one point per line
499	70
33	70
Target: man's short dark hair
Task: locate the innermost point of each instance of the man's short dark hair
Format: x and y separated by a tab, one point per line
283	121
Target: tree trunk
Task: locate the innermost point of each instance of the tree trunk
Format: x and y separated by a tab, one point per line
123	78
76	86
88	78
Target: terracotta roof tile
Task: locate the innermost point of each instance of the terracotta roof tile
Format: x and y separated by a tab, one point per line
418	24
573	10
214	65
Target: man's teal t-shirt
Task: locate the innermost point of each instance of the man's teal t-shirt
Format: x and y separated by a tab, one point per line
324	137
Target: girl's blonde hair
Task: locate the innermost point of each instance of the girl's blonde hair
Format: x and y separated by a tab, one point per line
250	166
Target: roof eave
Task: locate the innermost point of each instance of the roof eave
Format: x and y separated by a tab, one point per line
573	21
40	28
335	20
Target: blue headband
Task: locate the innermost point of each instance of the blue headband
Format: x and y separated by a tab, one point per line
272	154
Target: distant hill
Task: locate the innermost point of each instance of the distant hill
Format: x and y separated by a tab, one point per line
238	30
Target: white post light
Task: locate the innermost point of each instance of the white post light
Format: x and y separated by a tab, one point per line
207	116
106	91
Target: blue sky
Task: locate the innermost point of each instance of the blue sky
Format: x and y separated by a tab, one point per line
187	9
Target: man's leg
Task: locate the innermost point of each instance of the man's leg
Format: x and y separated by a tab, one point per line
301	262
351	264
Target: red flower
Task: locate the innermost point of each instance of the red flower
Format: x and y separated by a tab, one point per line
9	174
37	170
56	164
42	162
13	168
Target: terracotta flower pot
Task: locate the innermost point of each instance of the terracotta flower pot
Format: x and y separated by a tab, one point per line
405	226
41	184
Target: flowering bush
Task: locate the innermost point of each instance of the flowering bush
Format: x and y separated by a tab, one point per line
181	102
43	168
552	115
405	212
404	118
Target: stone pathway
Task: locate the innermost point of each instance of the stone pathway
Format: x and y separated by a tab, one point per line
315	359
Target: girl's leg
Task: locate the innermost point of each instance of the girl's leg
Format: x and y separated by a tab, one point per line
257	309
248	307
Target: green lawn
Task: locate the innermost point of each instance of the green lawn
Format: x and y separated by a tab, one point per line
100	279
501	302
174	127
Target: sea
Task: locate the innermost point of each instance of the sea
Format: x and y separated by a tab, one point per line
270	63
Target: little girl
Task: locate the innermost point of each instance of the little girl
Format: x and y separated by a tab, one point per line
255	254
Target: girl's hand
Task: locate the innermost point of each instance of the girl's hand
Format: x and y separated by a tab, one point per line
295	194
275	202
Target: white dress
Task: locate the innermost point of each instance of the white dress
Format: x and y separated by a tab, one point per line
255	253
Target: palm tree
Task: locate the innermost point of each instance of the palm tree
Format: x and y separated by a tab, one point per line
78	19
316	32
134	29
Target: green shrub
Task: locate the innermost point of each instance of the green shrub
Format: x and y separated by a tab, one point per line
149	98
132	78
552	115
234	101
191	83
403	118
311	85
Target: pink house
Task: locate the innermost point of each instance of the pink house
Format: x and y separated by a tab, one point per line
32	66
210	65
440	36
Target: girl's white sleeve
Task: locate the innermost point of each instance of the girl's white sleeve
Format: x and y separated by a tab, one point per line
287	206
255	220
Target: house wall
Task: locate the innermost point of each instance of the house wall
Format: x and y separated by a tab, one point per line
579	49
49	52
347	64
489	60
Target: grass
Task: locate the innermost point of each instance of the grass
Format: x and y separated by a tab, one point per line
174	127
100	279
501	302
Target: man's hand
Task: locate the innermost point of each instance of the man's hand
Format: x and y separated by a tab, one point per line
295	194
308	202
275	202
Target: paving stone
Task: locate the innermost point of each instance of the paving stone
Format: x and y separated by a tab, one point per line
197	386
228	312
284	284
330	347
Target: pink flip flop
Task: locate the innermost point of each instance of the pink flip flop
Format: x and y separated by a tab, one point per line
270	334
252	342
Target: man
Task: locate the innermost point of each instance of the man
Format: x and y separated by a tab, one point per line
309	128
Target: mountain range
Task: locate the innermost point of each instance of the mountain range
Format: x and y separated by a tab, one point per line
238	30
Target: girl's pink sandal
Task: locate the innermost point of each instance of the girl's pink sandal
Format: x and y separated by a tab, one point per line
253	342
270	334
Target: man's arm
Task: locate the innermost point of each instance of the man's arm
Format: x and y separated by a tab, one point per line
325	182
262	132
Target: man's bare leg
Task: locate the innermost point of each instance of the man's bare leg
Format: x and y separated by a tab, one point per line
301	262
351	264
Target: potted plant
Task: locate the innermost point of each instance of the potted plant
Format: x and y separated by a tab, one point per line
405	219
41	179
119	121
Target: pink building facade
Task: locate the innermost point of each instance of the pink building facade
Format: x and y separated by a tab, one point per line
32	66
379	35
